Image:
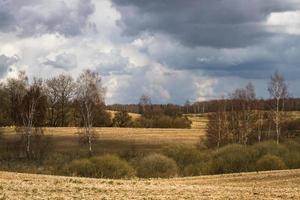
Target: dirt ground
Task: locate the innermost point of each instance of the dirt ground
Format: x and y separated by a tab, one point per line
263	185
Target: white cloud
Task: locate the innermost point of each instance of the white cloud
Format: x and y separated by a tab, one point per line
285	22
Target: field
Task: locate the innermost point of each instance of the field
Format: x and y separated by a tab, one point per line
112	139
262	185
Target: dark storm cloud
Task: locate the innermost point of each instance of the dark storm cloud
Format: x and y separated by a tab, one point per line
5	63
39	17
7	18
215	23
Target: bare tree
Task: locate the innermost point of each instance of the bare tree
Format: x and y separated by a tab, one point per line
217	133
243	115
17	89
33	111
187	105
279	92
89	94
59	93
144	104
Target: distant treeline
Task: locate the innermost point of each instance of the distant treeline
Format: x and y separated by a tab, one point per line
291	104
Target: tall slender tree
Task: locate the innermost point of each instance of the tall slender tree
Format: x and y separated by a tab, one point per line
33	111
278	92
89	95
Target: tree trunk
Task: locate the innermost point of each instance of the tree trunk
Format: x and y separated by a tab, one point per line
277	122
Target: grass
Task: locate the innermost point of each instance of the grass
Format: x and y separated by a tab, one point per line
114	140
262	185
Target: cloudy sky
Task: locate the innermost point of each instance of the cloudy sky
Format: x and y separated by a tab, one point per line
172	50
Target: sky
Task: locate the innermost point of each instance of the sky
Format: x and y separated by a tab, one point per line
171	50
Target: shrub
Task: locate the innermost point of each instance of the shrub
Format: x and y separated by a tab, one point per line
122	119
157	165
162	121
181	122
185	155
270	147
56	161
270	162
292	159
102	118
111	166
82	167
292	145
233	158
197	169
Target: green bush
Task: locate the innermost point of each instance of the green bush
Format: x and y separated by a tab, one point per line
162	121
233	158
197	169
111	166
270	162
157	165
292	145
186	156
270	147
292	159
56	161
82	167
106	166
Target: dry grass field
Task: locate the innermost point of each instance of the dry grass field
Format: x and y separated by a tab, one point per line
113	139
262	185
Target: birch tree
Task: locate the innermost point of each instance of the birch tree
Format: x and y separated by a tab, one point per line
89	95
279	92
217	132
33	112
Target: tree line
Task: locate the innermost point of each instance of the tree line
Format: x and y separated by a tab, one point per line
62	101
59	101
241	118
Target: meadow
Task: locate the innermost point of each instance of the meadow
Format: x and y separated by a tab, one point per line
283	184
115	139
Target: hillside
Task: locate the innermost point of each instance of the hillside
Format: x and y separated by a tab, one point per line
263	185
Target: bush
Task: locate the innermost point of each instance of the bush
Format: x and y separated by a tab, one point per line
197	169
270	147
163	121
102	118
82	167
186	156
107	166
181	122
122	119
233	158
270	162
157	165
111	166
292	159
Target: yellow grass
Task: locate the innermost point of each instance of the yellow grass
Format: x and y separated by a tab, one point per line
263	185
137	135
199	121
